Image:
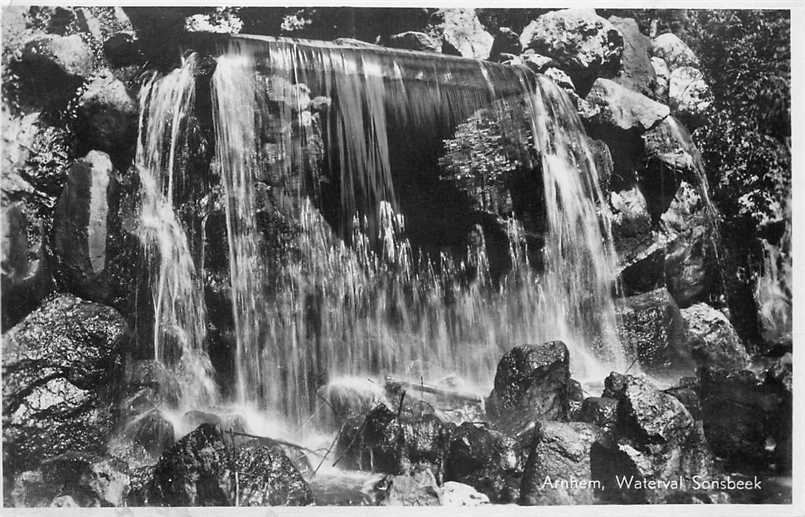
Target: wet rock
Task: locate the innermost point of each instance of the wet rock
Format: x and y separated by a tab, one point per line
107	117
151	430
537	62
205	468
531	383
601	411
745	419
687	392
51	67
392	442
673	51
123	49
59	364
459	494
267	477
561	453
643	265
713	339
412	40
636	71
506	42
689	95
486	460
663	78
88	479
655	437
26	278
585	44
415	489
80	225
462	33
652	329
622	108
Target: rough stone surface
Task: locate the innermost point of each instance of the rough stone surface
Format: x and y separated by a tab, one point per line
560	78
487	460
416	489
412	40
585	44
747	421
655	437
689	96
89	480
636	71
673	51
201	469
561	452
713	339
531	384
663	78
58	365
652	329
601	411
622	108
52	67
107	116
631	222
537	62
462	33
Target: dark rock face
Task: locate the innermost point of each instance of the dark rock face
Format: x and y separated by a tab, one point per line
416	489
652	329
80	225
631	222
561	452
107	117
58	365
531	384
200	470
88	480
506	42
487	460
747	421
636	71
585	44
391	442
123	49
52	67
601	411
412	40
713	339
654	437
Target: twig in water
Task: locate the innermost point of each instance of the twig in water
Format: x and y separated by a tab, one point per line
357	434
275	441
337	436
630	366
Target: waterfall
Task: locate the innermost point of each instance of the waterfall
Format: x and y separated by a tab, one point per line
179	326
360	298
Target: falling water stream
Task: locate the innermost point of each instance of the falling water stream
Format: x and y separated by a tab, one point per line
355	296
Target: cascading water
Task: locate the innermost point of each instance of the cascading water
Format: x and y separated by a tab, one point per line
179	326
374	305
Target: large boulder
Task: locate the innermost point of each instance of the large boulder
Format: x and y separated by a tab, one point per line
51	67
107	117
206	468
460	494
58	367
689	95
747	419
558	467
487	460
631	221
636	71
623	109
531	383
652	330
601	411
585	44
393	441
123	48
81	226
462	33
88	479
673	51
713	340
412	40
655	438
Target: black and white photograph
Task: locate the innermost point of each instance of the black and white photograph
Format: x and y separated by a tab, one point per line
468	258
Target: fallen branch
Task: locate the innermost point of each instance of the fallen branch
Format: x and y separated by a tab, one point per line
275	441
435	390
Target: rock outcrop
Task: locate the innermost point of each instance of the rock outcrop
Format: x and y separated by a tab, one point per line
713	340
